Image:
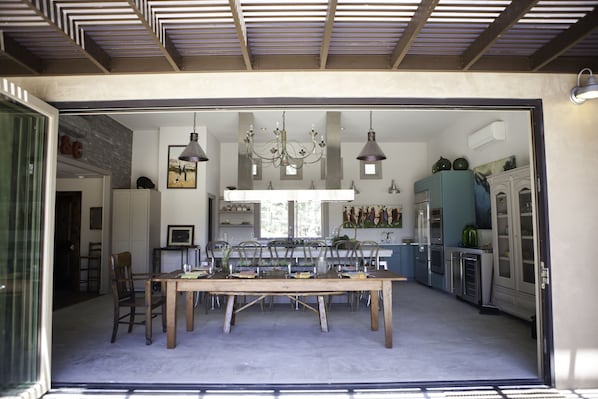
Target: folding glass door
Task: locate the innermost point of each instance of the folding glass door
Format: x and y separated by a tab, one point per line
27	184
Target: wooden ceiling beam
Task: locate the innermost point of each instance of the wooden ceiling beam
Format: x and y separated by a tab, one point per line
235	7
165	45
563	42
327	37
20	54
418	21
83	43
509	17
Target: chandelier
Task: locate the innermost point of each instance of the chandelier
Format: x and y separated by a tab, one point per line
281	152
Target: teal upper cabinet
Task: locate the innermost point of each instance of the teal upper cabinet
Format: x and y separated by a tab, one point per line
451	190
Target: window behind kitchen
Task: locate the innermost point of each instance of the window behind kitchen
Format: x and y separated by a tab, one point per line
280	219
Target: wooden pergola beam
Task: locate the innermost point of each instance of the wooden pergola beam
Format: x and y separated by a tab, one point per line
563	42
86	45
235	6
326	38
509	17
20	54
165	45
423	12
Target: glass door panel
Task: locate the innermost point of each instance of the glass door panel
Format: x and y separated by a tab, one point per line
24	231
527	235
504	239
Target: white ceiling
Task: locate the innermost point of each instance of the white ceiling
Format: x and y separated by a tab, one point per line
396	125
403	125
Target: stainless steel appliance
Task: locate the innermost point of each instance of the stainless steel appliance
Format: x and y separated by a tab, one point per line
467	277
436	226
422	233
438	277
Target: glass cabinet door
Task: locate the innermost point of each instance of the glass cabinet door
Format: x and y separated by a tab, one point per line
503	244
526	238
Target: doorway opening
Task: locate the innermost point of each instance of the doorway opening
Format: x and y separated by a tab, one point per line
537	160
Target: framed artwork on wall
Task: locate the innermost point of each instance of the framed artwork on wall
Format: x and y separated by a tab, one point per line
372	216
180	235
181	174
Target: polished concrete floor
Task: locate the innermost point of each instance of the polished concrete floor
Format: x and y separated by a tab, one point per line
436	339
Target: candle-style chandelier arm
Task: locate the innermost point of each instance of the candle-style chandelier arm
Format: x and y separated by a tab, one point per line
282	152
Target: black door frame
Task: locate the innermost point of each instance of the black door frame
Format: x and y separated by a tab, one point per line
534	106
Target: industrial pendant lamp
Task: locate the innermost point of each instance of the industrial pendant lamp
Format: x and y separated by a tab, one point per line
581	93
371	151
193	151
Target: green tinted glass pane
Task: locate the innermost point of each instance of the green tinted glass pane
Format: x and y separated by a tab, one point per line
22	147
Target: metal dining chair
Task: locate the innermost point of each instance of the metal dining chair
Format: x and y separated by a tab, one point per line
214	251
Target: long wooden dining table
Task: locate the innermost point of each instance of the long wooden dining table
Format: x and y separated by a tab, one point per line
330	283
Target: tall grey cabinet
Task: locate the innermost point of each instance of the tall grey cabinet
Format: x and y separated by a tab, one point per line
136	225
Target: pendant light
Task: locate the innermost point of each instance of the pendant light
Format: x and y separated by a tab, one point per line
193	151
371	151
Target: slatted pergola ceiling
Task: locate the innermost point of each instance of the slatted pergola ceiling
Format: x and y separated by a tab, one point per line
72	37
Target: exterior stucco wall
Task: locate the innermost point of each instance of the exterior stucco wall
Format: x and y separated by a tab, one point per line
571	139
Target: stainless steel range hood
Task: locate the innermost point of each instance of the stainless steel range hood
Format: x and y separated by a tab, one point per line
333	191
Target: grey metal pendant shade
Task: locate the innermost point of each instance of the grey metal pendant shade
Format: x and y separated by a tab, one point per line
193	151
371	150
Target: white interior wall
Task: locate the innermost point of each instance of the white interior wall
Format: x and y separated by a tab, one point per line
144	156
571	145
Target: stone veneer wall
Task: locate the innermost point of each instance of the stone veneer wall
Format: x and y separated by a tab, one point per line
106	144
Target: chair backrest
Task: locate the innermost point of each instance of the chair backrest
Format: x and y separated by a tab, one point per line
95	250
250	254
347	254
219	246
121	273
281	252
312	250
369	253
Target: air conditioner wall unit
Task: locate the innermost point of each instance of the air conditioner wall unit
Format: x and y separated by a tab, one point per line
495	131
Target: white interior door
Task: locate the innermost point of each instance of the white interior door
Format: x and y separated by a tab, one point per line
28	142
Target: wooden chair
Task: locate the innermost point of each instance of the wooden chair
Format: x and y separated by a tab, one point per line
124	296
89	268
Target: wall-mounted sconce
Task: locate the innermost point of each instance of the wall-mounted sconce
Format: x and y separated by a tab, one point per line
353	187
393	189
581	93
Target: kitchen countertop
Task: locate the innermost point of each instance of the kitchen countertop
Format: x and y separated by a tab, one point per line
478	251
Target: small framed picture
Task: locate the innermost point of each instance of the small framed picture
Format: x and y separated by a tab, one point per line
179	236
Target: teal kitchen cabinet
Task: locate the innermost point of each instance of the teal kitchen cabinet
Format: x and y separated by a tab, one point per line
452	191
402	260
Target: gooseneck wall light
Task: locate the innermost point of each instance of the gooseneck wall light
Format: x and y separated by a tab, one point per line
371	151
587	91
193	151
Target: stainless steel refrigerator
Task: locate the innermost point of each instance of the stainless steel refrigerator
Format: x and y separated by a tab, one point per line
422	235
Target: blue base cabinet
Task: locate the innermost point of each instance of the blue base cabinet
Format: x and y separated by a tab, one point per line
402	260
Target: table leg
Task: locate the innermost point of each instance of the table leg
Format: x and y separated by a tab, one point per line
374	310
189	310
230	303
387	304
148	311
322	313
171	314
